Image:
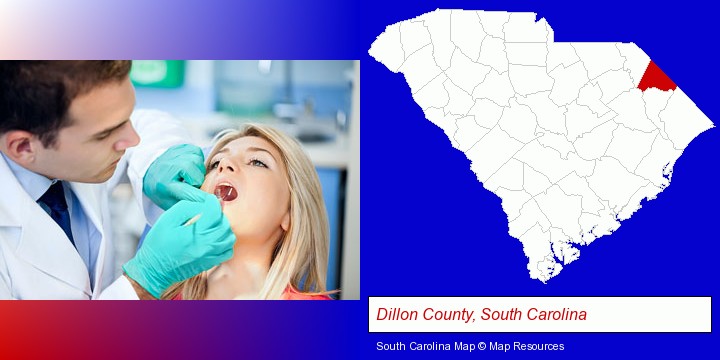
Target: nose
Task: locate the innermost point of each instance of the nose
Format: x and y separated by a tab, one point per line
225	165
128	138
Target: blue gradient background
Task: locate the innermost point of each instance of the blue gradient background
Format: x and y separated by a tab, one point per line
428	226
189	29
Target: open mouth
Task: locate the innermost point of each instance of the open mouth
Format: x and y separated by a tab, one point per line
225	192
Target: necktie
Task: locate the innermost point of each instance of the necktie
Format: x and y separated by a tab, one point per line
54	198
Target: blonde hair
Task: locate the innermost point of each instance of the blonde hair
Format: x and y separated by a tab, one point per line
301	254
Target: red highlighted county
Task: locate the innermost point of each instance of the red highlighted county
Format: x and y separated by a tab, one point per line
655	78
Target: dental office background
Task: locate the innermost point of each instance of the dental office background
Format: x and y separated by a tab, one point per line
318	102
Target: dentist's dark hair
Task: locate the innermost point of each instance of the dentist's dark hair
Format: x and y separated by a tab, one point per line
35	96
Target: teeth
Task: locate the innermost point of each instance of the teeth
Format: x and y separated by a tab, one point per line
225	192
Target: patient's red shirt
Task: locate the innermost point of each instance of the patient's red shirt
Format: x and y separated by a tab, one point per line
290	294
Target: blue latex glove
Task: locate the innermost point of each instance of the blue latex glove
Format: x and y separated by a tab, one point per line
174	251
175	175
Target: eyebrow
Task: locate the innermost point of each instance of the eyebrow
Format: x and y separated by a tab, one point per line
109	131
252	148
256	149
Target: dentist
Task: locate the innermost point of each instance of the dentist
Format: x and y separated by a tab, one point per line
68	135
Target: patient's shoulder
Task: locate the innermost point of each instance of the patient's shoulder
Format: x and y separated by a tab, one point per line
292	294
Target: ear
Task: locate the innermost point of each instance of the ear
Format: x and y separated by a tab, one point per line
285	224
20	146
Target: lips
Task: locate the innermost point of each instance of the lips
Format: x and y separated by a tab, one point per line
118	160
113	166
225	192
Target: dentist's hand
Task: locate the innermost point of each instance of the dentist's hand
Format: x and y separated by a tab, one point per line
173	251
175	175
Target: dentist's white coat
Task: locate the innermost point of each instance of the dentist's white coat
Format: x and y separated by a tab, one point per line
37	260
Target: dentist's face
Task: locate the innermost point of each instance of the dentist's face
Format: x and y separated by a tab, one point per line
89	149
250	175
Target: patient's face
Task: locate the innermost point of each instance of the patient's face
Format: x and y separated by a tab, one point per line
250	177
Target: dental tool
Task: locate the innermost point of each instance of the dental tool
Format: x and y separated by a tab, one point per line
225	193
192	220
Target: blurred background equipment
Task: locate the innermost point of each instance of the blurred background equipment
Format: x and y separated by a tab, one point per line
158	73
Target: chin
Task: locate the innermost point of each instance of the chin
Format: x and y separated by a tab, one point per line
100	178
95	180
105	178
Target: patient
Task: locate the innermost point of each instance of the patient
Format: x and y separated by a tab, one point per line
271	195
